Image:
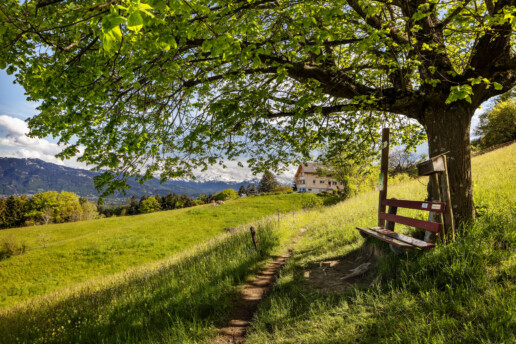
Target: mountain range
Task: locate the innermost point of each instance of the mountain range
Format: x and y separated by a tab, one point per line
30	176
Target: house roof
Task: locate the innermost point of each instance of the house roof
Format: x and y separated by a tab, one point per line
309	167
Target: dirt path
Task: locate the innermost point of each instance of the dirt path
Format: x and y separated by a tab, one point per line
252	294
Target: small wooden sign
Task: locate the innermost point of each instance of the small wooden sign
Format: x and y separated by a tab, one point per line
435	164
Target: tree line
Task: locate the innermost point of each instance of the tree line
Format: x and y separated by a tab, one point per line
44	208
54	207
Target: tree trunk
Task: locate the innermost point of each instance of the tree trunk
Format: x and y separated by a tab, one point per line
448	128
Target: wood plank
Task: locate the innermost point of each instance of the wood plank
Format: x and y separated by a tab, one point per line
431	166
426	225
402	237
437	207
386	238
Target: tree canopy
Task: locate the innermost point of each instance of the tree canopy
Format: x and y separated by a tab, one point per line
498	125
164	86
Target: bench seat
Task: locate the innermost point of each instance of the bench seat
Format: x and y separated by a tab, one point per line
396	239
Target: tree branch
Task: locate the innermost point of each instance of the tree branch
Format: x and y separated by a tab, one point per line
377	23
194	82
452	15
82	52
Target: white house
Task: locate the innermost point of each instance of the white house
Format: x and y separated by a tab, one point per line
308	180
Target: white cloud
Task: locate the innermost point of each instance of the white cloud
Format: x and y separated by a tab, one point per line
13	126
16	144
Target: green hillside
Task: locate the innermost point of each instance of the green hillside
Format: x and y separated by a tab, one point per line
460	293
64	254
463	292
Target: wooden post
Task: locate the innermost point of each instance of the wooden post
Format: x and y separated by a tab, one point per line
384	170
255	241
390	225
434	216
445	194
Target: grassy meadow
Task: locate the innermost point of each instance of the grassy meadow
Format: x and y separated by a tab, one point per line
459	293
61	255
184	298
462	292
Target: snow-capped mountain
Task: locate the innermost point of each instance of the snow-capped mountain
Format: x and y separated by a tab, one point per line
30	176
236	174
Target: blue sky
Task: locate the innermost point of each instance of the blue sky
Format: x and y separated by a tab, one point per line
14	110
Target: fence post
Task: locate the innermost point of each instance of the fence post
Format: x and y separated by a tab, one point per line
255	241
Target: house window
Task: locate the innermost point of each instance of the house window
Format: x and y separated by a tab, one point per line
322	181
334	183
314	181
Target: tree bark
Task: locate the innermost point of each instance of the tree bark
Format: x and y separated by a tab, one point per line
448	130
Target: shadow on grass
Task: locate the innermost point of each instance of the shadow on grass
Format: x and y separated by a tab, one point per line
460	293
183	302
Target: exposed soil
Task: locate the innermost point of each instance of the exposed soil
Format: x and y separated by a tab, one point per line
329	276
252	294
345	273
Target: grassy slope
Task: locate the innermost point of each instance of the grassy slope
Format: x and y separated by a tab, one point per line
180	299
464	292
77	252
184	299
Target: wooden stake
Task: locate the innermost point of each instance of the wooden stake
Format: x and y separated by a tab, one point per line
445	193
255	241
434	216
390	225
384	170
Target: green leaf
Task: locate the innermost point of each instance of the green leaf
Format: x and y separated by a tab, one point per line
111	21
419	15
461	92
135	21
497	86
173	43
11	69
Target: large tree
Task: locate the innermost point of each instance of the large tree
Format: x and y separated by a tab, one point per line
162	86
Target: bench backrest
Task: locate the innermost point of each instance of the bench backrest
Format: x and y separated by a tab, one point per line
431	226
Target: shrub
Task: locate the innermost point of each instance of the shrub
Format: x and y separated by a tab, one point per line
224	194
312	201
10	246
149	205
282	189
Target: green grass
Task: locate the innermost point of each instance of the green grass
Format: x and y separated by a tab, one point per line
463	292
81	251
181	299
459	293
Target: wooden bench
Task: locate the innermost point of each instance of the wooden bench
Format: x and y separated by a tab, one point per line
436	169
387	233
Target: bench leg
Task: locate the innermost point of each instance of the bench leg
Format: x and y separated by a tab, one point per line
396	250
